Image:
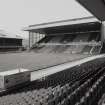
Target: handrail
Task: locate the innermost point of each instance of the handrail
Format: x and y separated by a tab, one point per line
74	43
100	49
92	49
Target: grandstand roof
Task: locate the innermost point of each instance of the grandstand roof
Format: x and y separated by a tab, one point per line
92	5
4	34
41	27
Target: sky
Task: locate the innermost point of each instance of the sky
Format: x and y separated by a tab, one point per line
17	14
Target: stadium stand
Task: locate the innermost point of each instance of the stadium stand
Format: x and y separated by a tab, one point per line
61	78
67	44
75	37
9	42
81	85
68	36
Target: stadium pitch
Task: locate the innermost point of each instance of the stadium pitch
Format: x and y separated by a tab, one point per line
35	61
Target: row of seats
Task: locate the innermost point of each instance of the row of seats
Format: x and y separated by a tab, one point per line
64	39
70	74
70	38
72	49
88	93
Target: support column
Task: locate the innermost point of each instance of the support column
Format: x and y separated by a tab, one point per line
32	38
103	37
36	37
103	32
29	39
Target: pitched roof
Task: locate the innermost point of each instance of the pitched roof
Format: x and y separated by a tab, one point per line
4	34
61	23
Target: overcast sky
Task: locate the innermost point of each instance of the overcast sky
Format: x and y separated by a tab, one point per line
16	14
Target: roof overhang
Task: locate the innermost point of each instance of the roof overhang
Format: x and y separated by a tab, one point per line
41	27
96	7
